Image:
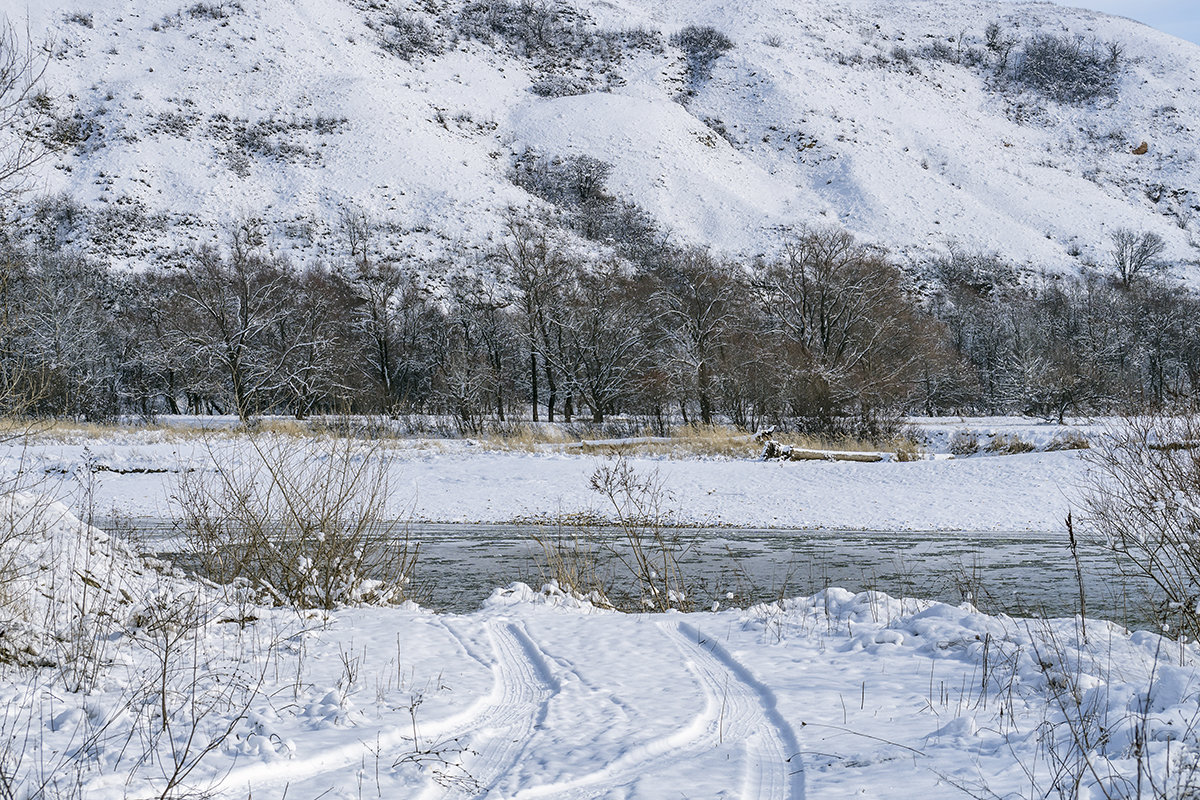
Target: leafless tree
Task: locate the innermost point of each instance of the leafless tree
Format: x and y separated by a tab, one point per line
858	339
393	317
698	300
231	307
22	105
1134	253
608	317
532	261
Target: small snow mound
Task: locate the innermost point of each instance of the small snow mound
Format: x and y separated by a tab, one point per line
60	577
551	594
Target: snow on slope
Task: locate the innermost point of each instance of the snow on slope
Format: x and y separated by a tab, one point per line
822	124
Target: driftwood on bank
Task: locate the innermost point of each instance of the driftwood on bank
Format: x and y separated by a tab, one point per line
776	451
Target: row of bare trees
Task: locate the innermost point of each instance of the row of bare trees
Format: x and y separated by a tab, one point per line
825	336
1057	345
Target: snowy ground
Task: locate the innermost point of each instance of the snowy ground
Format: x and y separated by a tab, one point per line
464	481
538	695
120	680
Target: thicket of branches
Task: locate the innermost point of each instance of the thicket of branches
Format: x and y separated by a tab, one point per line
1060	345
825	337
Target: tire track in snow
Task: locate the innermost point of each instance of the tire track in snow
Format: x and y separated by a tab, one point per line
497	733
773	752
494	728
738	708
332	760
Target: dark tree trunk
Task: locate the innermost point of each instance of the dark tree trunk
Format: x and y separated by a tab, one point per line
551	393
533	382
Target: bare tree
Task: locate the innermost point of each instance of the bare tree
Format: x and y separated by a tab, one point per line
231	307
608	320
857	339
22	105
533	263
393	317
698	298
1134	253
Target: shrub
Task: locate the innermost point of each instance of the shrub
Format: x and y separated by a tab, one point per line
559	86
1143	506
649	552
1009	444
1070	440
574	565
213	10
909	449
702	45
964	443
304	520
939	50
1067	69
566	181
407	36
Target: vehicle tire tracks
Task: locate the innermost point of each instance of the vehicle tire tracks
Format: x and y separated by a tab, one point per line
496	732
467	752
737	708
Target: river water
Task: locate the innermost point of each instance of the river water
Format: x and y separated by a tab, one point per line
1021	573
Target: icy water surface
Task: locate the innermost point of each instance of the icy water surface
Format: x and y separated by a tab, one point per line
1026	573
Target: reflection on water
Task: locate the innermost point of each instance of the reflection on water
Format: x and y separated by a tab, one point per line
1026	573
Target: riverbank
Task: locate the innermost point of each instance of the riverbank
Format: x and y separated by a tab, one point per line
136	473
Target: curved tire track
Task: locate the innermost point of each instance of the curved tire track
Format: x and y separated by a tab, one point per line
497	731
737	708
488	736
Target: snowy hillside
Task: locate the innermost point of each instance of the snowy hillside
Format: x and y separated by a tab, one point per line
173	118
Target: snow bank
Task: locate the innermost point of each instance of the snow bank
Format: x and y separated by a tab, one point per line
63	580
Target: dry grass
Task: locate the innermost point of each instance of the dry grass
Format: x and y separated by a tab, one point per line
964	443
526	437
1070	440
716	441
572	561
690	441
1009	444
684	442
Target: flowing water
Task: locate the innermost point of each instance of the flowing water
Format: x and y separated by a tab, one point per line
1025	573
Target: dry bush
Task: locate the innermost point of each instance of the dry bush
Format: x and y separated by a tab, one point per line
649	551
1008	444
1143	505
1070	440
306	520
908	449
964	443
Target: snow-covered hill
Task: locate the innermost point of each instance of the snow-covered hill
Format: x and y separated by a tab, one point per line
176	117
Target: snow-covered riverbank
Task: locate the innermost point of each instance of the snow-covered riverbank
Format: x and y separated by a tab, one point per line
136	683
121	679
465	481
